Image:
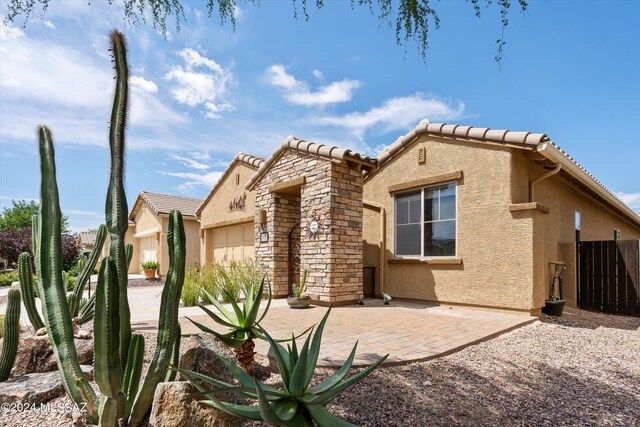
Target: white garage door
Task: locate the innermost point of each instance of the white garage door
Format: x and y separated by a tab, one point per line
148	249
233	243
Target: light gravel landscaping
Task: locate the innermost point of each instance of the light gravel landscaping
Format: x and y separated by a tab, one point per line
581	369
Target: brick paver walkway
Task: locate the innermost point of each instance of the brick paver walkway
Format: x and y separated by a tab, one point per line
407	331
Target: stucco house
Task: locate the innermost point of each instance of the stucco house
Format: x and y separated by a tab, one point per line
447	213
148	226
86	241
227	214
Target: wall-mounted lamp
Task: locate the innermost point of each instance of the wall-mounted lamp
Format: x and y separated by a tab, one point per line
262	217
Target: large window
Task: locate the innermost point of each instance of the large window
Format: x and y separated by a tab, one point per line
426	222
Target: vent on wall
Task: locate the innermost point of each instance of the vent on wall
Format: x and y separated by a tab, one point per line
422	155
237	179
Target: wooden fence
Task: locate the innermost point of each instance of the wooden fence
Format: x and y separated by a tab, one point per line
608	276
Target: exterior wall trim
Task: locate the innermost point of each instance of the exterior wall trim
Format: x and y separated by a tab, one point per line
285	187
433	261
430	180
147	233
514	207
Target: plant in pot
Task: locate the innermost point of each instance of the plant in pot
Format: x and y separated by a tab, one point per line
150	268
299	299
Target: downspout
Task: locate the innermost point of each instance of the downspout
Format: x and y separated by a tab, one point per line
556	169
382	230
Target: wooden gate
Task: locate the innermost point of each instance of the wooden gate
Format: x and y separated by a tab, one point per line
608	274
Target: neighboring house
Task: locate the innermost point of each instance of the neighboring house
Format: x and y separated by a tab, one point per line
447	213
86	241
149	222
227	214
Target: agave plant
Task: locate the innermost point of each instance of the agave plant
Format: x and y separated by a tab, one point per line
243	323
298	403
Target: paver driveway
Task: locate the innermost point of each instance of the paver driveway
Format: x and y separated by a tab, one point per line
407	331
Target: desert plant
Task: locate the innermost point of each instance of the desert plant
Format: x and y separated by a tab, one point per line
298	404
6	279
11	334
28	290
150	265
192	288
112	325
298	291
243	324
227	282
209	282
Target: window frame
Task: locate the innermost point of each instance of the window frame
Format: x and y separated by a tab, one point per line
422	221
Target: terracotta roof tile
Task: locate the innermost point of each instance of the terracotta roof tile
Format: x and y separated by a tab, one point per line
323	150
165	203
87	237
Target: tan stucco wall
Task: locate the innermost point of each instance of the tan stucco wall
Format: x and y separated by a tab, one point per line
192	236
216	212
563	199
134	267
494	245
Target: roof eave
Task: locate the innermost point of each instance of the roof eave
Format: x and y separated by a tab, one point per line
551	152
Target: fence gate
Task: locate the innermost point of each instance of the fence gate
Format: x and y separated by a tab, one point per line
608	274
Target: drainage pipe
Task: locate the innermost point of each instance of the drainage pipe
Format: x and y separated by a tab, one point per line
382	231
556	169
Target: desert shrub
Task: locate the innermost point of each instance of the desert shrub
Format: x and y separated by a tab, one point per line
7	278
209	282
191	288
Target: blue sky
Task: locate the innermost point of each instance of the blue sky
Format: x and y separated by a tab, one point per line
570	70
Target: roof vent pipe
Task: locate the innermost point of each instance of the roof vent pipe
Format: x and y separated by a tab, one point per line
556	169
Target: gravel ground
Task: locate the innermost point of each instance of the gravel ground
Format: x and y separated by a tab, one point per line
579	370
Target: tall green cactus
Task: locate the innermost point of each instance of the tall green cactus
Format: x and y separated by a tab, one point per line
11	334
50	282
28	290
90	263
168	323
118	357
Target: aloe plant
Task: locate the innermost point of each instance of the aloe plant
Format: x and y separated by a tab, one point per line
243	324
117	363
298	403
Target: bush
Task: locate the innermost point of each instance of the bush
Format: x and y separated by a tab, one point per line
191	288
7	278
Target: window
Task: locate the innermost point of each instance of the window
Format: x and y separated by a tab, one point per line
578	225
426	222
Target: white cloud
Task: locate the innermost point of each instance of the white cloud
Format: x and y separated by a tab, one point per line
200	82
49	24
396	114
207	180
298	92
318	74
138	82
631	199
190	163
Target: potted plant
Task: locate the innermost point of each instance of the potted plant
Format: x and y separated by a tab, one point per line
299	299
555	304
150	268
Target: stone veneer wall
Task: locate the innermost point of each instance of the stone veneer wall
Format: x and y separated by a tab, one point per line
332	195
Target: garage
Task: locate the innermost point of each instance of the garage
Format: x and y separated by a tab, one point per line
233	243
148	248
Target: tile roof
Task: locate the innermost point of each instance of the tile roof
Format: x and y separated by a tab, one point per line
87	237
463	132
248	159
165	203
327	151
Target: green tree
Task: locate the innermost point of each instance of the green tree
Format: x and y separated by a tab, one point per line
411	19
19	216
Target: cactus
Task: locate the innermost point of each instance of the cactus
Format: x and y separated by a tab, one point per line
82	304
11	334
50	283
72	302
168	322
175	357
86	268
118	356
28	290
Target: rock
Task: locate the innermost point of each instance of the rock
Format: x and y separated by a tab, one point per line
36	387
171	410
36	355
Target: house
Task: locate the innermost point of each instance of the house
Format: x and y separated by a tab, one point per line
447	213
148	226
86	241
227	214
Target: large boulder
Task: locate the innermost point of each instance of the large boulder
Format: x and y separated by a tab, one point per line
35	388
170	409
35	354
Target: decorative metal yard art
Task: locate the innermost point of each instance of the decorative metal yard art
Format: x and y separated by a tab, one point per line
555	304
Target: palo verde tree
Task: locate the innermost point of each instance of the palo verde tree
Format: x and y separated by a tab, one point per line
411	19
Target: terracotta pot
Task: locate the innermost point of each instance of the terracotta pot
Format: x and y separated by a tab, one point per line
150	274
299	302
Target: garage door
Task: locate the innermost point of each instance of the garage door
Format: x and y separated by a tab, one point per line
148	249
233	243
